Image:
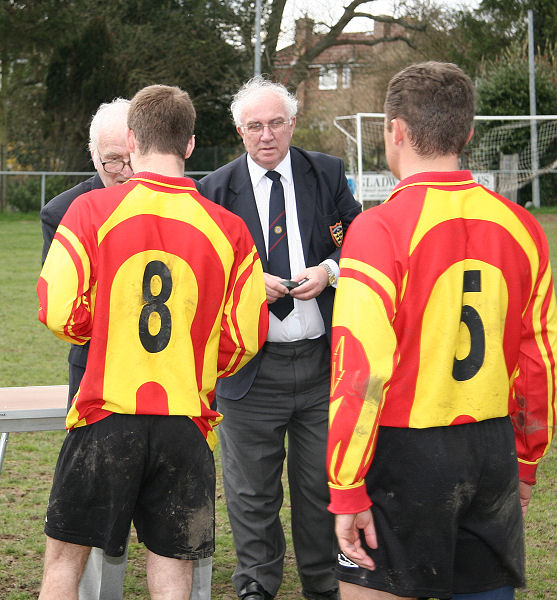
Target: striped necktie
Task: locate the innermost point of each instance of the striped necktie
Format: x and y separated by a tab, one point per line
279	260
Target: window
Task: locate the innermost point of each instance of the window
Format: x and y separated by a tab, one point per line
328	78
346	77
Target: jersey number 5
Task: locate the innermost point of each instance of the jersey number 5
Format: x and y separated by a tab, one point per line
466	368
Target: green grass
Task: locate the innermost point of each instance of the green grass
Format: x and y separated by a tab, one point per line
30	355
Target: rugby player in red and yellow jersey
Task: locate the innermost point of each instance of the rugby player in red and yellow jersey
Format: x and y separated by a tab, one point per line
443	370
169	289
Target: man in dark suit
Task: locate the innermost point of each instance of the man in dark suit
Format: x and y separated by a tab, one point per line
103	578
297	206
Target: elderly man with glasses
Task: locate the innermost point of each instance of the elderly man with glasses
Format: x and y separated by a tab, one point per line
297	206
103	578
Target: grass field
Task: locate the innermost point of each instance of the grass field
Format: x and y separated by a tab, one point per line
30	355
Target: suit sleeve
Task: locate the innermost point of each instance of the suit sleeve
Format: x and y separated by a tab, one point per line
49	223
348	207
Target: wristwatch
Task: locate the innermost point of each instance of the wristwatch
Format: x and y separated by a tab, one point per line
330	272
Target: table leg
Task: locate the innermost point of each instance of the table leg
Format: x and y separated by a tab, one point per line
3	444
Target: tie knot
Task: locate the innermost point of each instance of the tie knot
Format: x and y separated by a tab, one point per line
273	175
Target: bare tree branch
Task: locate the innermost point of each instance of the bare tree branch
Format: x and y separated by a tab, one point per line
307	55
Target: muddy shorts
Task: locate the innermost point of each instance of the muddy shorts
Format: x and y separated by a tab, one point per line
155	470
446	510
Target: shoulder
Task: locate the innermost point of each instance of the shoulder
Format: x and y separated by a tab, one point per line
223	217
225	172
315	159
325	169
227	179
60	203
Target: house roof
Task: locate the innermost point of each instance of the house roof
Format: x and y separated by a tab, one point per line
341	53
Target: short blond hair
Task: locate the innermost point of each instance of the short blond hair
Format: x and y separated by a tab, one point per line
162	118
436	101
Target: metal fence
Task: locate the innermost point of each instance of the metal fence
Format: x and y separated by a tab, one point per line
43	193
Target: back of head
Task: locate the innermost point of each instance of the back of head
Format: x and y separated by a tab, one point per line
436	101
162	119
256	86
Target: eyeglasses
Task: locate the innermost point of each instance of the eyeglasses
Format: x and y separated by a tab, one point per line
115	166
257	128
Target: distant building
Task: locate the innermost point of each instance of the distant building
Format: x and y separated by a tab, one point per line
345	78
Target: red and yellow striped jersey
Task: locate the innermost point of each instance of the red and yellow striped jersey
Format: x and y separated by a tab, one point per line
169	288
444	314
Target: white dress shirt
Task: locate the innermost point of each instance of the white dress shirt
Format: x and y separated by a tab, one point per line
305	321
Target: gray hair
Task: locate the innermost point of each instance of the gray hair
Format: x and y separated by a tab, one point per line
108	113
255	86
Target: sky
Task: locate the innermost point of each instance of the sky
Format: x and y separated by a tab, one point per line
330	10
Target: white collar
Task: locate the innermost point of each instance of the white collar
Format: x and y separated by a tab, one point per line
257	172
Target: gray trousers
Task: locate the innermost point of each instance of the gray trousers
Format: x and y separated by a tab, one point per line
103	577
289	397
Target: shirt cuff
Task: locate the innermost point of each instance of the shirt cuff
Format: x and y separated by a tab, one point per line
527	472
349	501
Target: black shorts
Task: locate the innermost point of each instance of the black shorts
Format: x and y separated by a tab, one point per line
155	470
446	510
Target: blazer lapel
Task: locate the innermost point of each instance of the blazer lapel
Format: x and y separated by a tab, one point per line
305	186
243	204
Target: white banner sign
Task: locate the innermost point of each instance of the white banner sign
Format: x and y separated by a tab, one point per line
376	187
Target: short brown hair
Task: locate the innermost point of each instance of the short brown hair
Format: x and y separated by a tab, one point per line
436	100
162	119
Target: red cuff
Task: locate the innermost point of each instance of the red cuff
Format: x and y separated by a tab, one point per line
527	472
349	501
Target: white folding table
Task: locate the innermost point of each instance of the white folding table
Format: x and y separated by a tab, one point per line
32	408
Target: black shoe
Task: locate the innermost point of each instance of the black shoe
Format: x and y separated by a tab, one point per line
328	595
254	591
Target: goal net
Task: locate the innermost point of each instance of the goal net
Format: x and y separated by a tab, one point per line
505	154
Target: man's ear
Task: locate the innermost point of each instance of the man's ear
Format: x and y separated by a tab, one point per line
130	141
190	146
398	131
470	135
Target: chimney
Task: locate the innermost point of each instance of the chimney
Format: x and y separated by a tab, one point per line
381	29
304	32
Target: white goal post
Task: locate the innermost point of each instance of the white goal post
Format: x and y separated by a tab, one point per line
505	153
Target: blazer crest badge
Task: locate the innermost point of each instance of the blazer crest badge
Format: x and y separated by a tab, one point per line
337	233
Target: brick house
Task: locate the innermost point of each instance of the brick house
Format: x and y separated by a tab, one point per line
346	78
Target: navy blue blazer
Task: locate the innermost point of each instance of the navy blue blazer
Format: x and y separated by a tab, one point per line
325	208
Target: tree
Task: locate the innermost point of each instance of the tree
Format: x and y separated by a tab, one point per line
484	33
503	89
272	17
82	74
197	53
503	84
510	17
27	33
59	59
